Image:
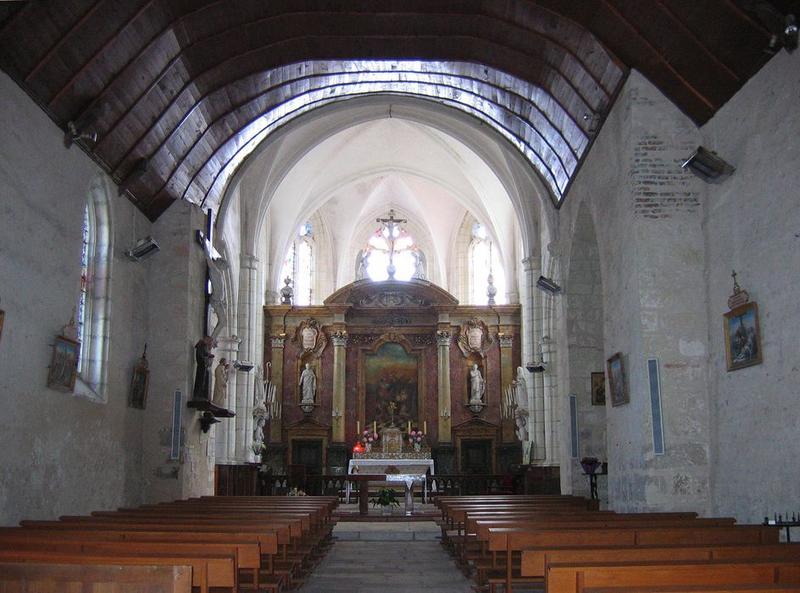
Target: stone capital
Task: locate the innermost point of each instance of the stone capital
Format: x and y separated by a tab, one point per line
248	261
277	341
443	338
339	338
506	340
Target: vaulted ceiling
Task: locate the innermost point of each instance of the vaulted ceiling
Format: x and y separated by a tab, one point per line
179	92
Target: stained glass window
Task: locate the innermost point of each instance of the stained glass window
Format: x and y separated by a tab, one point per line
82	300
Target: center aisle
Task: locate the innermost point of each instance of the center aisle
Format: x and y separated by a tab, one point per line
388	558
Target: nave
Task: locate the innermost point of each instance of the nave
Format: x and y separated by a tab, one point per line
549	543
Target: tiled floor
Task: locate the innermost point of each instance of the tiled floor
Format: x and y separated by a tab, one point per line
387	558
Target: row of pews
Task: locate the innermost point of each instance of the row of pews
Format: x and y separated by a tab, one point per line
568	546
228	544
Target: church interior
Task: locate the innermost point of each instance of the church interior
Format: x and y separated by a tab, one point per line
521	247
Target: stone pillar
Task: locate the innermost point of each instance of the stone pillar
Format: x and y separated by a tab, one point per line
247	321
445	420
339	339
275	424
225	431
531	350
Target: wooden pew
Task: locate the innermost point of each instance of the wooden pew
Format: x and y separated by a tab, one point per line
207	570
106	578
576	578
516	540
761	588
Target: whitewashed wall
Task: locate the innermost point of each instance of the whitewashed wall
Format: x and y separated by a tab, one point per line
752	225
59	453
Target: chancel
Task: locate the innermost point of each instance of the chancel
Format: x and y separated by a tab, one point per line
397	253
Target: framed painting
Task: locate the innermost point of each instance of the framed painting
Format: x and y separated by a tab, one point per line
598	389
64	364
742	337
616	380
391	385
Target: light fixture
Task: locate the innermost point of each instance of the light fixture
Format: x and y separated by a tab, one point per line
243	365
548	285
708	166
143	248
790	33
74	134
536	367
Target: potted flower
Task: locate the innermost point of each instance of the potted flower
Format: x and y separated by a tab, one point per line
368	438
415	437
385	498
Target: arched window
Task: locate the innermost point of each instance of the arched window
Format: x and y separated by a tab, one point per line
94	301
299	265
483	262
408	259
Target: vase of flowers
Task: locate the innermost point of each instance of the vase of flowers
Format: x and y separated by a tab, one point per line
368	438
415	437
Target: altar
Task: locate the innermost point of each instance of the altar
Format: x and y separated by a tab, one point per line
398	468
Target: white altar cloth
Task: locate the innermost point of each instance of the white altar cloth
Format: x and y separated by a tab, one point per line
409	467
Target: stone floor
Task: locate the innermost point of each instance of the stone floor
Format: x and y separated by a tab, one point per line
387	558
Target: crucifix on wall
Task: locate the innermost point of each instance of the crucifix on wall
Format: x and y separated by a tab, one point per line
214	283
392	226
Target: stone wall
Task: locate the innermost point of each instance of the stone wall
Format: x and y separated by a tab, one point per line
752	224
60	453
649	232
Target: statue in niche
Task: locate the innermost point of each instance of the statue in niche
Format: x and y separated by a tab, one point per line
259	407
221	383
308	385
477	386
203	359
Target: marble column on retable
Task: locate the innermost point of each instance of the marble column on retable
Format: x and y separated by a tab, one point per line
339	339
445	403
276	424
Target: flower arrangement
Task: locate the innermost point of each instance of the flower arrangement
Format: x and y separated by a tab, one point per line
415	436
384	497
368	437
296	492
590	464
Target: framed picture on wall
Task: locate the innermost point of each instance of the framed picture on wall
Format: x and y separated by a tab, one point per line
742	337
616	380
64	364
599	389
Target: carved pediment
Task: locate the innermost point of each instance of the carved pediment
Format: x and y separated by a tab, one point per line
392	294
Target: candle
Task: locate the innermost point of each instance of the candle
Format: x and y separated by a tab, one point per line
425	427
374	426
358	426
409	426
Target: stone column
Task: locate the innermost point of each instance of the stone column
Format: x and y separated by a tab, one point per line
225	431
339	339
275	424
246	321
531	350
445	421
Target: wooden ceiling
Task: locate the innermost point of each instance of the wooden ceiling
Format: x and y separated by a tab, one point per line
180	91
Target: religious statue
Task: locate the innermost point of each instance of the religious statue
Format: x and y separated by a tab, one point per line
521	424
419	264
308	385
521	386
477	388
221	383
203	359
361	266
259	408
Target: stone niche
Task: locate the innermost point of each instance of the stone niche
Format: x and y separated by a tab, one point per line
377	350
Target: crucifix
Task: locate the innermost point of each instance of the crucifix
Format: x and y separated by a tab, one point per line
391	224
206	242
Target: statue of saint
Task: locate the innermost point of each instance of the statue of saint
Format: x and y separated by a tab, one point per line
476	385
221	383
308	385
259	406
521	388
203	358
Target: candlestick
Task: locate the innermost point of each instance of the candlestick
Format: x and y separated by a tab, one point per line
409	426
358	426
425	426
374	426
